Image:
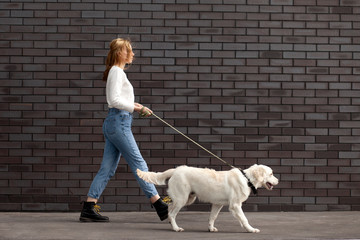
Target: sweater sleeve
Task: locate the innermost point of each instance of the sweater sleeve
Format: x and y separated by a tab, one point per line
120	92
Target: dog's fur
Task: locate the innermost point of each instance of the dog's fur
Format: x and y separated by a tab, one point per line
216	187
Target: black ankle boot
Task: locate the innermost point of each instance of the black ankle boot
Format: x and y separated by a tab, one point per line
90	213
161	209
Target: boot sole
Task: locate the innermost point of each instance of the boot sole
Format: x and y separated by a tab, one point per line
82	219
162	218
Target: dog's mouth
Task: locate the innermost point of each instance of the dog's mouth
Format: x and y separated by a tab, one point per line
269	186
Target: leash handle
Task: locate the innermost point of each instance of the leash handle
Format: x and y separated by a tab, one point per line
197	144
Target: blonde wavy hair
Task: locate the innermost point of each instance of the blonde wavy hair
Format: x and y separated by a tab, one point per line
116	47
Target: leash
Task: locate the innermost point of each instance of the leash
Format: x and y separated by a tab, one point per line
197	144
253	189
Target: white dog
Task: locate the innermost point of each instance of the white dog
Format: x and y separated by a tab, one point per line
219	188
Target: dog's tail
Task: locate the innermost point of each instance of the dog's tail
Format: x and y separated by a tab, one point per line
157	178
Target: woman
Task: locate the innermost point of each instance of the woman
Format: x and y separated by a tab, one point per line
119	139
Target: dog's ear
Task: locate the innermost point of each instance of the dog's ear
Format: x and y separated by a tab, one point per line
259	173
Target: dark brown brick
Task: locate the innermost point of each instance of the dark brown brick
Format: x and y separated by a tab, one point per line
281	92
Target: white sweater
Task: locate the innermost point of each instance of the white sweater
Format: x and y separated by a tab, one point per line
119	91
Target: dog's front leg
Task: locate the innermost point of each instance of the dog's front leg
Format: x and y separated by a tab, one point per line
238	213
215	209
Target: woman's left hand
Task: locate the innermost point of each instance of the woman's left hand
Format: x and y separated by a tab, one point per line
142	110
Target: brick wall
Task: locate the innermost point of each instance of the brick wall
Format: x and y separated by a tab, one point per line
274	82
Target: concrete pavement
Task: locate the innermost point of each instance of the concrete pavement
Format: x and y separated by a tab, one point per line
145	225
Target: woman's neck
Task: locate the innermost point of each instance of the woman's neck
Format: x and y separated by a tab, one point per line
122	66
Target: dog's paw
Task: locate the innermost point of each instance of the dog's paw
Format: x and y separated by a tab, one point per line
253	230
213	229
179	229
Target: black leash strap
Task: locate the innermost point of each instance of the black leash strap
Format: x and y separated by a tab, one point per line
253	189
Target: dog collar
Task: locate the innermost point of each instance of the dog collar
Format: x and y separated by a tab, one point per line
253	189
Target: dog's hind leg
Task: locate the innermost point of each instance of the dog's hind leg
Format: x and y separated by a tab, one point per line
215	209
175	208
238	213
179	194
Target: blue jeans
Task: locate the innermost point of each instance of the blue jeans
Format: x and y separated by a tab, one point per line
119	140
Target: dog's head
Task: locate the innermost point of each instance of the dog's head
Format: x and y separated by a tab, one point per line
263	176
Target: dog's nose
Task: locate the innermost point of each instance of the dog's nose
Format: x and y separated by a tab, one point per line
275	181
